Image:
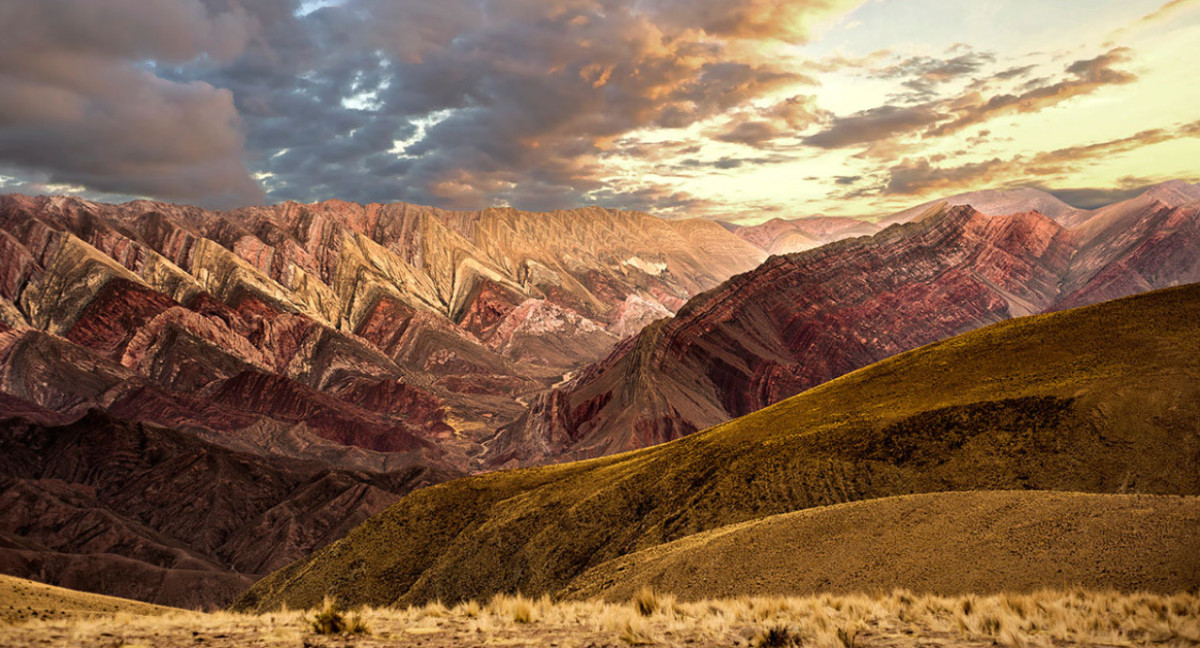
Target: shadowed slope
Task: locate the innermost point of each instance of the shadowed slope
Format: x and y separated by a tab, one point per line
945	543
109	506
1100	399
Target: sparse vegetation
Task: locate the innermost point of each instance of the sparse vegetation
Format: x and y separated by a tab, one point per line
776	636
330	620
646	601
848	637
1058	619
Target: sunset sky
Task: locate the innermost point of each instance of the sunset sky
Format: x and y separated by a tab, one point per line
736	109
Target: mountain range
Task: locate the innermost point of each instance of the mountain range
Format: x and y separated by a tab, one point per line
1101	399
802	319
199	398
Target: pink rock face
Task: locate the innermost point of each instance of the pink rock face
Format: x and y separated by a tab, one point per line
800	320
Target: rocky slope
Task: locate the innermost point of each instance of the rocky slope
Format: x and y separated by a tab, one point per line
1102	399
800	320
105	505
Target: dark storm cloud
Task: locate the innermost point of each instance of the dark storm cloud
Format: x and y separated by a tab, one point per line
82	105
460	103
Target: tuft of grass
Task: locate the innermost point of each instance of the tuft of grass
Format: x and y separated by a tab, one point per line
848	637
516	607
634	633
329	620
776	636
647	601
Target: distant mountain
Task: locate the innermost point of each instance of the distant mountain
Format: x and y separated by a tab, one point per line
800	320
997	202
1102	399
780	236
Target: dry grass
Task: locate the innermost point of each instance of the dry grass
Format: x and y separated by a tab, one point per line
331	620
1048	619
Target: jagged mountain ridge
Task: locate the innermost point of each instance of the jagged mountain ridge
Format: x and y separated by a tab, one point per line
451	314
800	320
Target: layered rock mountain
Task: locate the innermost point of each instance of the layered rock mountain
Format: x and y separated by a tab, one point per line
373	326
803	319
197	397
996	202
344	355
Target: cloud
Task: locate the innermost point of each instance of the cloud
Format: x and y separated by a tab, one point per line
1158	16
879	127
875	124
1087	76
922	175
923	74
522	102
790	20
762	128
83	104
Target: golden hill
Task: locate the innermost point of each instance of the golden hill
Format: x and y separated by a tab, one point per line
979	542
1099	399
23	600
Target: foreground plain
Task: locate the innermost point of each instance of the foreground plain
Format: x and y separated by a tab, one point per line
897	620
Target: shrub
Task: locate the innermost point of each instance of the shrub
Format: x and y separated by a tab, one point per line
776	636
848	637
646	601
329	620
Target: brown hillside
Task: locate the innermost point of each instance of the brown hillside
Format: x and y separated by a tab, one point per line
22	600
1099	399
942	543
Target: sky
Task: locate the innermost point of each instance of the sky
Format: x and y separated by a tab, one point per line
732	109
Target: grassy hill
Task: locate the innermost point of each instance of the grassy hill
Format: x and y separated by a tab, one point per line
1102	399
22	600
979	542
